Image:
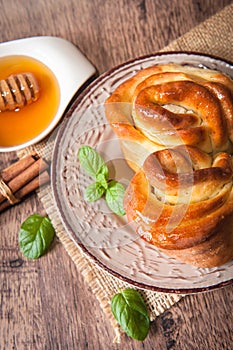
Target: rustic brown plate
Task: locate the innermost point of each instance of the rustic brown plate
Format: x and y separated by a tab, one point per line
106	238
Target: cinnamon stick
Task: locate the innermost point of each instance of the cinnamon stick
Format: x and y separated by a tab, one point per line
15	169
25	176
31	186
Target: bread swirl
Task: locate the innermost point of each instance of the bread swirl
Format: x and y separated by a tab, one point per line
175	126
181	211
168	105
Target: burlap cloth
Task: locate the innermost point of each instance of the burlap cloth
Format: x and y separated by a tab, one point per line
215	37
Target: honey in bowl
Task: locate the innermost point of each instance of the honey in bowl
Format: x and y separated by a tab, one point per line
24	122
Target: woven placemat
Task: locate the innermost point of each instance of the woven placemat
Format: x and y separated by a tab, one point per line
214	36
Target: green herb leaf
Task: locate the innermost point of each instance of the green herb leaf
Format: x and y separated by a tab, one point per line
95	166
93	192
114	197
35	236
92	162
129	309
101	179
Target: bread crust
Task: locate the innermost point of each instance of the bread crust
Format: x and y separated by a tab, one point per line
175	127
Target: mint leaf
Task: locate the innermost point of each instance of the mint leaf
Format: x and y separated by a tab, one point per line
35	236
93	192
114	197
95	166
102	180
129	309
92	162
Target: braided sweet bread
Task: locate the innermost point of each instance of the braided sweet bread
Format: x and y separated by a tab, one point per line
175	126
168	105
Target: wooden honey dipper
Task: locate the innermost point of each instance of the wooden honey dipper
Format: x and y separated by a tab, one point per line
17	91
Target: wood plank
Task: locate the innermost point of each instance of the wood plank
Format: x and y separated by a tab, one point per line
45	303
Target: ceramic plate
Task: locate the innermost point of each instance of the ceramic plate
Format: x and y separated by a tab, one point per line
108	239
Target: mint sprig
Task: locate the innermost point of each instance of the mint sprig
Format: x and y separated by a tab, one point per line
95	166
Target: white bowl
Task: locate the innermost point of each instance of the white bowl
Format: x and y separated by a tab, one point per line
64	60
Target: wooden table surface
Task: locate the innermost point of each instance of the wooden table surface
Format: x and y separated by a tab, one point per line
45	304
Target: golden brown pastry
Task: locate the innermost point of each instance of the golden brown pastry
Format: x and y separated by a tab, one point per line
168	105
175	126
182	202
